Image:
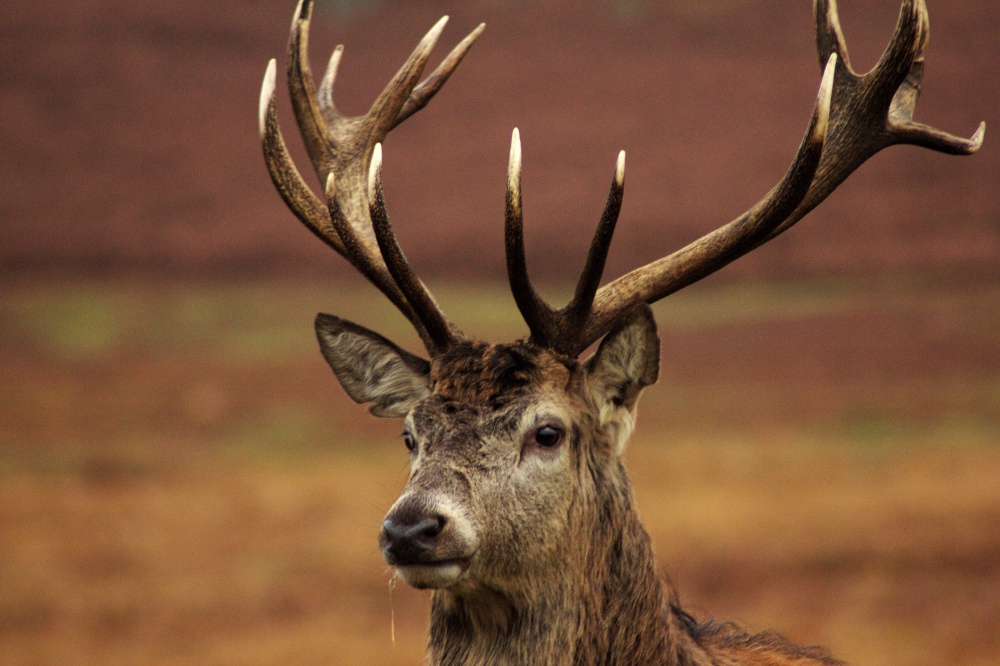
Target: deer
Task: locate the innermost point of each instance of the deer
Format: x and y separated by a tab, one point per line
518	513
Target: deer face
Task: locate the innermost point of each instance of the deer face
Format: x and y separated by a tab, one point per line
506	444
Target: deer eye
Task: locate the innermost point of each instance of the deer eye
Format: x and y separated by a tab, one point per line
548	437
410	441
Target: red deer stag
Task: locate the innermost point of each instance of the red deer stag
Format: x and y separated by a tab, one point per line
519	513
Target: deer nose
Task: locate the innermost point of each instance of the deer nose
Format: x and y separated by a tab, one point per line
410	541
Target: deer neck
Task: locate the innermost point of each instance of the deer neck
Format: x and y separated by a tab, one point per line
603	603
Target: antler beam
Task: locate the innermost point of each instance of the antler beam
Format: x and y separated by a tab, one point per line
855	117
866	114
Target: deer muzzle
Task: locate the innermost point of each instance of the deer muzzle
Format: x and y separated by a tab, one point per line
430	544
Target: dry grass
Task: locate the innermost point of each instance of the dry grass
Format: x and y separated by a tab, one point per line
182	482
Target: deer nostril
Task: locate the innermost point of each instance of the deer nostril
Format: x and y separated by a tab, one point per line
432	527
426	531
406	541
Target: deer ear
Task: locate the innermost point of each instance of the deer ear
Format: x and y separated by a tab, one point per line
626	362
372	368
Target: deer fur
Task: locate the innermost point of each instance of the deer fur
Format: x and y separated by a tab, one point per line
561	570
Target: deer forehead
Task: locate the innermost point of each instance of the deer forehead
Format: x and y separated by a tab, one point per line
483	375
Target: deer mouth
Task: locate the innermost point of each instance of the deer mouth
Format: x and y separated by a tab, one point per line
434	574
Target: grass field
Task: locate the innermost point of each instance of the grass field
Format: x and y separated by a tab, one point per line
182	481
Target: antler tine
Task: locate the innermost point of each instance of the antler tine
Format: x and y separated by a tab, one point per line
326	103
900	125
307	206
387	106
875	110
441	333
907	46
925	136
557	329
718	248
865	113
579	308
340	149
429	87
536	312
302	90
360	257
286	177
829	34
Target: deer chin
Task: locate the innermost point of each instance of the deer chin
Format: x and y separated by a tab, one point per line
434	575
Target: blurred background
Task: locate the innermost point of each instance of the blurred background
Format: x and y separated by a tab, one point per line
183	481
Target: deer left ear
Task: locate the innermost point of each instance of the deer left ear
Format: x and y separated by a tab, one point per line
626	362
371	368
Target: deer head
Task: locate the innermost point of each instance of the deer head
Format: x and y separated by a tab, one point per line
517	483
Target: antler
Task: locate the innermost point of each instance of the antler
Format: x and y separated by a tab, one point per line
550	327
353	220
855	117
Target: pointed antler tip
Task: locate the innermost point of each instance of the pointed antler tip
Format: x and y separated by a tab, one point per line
515	153
375	171
302	11
977	139
435	32
429	40
266	94
620	169
471	38
825	96
334	61
331	187
514	170
828	71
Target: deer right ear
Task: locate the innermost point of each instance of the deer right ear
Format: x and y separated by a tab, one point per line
626	362
372	368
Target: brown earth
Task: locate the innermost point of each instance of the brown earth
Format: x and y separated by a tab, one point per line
129	134
183	482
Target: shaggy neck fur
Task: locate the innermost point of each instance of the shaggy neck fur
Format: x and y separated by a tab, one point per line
603	602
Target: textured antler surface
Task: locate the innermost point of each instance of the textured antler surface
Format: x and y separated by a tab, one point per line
866	114
558	329
855	117
341	149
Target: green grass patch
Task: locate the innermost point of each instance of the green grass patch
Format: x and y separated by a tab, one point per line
272	321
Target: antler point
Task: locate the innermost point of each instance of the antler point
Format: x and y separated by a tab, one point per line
266	94
514	169
374	171
825	95
302	11
435	32
979	136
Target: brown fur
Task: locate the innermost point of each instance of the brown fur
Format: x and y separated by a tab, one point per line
559	567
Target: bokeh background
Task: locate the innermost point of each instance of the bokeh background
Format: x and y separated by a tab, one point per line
183	481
